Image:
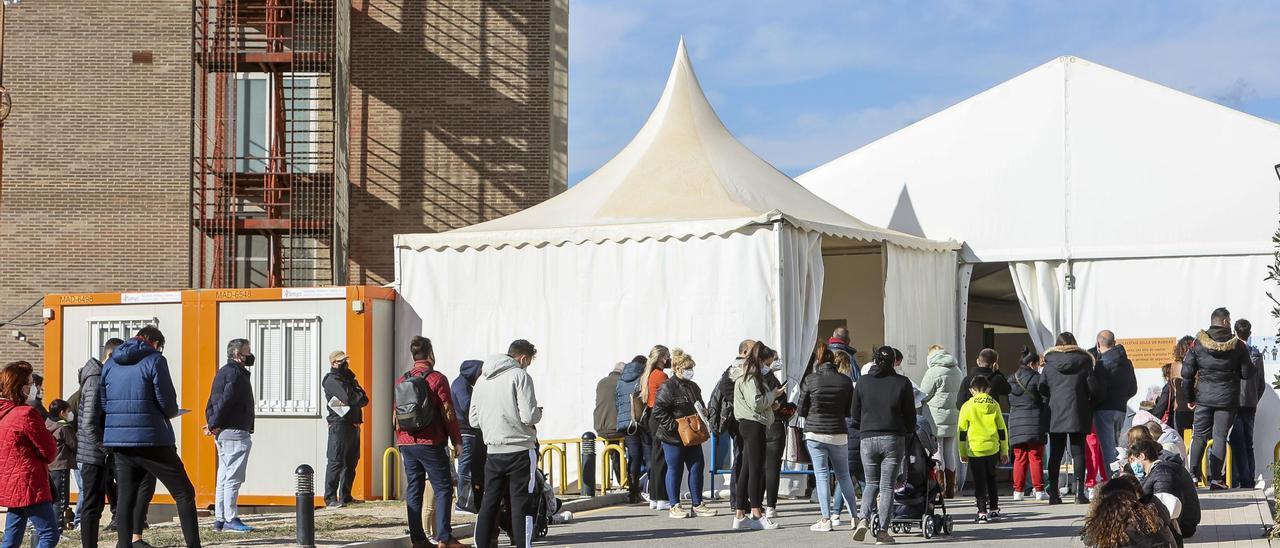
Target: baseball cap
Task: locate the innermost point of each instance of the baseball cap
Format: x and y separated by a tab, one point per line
337	356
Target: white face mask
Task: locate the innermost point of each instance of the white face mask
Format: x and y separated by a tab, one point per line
687	375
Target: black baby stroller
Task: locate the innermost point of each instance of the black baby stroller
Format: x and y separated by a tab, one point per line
542	504
917	495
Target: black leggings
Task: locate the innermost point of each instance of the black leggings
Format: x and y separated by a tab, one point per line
775	441
751	478
1058	442
657	465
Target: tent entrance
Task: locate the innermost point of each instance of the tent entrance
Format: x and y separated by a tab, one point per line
995	319
853	293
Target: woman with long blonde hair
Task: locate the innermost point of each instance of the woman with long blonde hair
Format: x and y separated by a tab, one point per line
680	398
651	380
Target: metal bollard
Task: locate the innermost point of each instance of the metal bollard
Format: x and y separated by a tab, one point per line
305	509
587	458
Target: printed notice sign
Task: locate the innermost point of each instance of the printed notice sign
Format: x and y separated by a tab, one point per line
1150	353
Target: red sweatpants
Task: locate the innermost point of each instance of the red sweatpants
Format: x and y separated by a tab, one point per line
1028	455
1093	465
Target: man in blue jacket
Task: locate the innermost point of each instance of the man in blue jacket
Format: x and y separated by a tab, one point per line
472	458
229	415
139	400
1117	383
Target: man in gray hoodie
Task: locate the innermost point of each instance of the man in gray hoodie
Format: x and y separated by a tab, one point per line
505	407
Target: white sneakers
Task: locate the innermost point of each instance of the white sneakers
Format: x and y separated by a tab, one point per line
835	521
661	505
1017	496
740	522
770	512
1039	495
823	526
764	523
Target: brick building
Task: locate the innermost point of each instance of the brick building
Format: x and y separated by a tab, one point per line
421	115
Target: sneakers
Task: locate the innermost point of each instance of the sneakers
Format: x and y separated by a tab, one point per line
217	525
704	511
677	512
1218	486
653	504
740	522
835	521
860	530
883	538
993	513
1017	496
662	505
823	526
770	512
1039	495
764	523
983	517
236	526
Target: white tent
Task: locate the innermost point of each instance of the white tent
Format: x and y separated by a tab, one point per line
685	238
1118	203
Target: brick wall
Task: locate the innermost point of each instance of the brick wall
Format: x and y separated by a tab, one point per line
94	195
451	119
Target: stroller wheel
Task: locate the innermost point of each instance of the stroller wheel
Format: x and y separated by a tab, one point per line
927	525
948	525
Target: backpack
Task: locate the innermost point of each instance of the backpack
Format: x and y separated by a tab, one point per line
414	409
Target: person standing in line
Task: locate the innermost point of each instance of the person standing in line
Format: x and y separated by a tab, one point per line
1028	424
1251	391
984	439
423	447
60	469
26	450
95	466
679	398
652	379
753	405
471	460
606	415
139	402
883	408
1117	383
505	407
229	416
775	437
1173	405
36	399
342	452
847	365
1068	385
1221	361
941	387
988	365
825	399
720	413
629	408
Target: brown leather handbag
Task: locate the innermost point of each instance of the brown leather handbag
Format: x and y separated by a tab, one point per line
693	432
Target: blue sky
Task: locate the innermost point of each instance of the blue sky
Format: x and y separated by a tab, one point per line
804	81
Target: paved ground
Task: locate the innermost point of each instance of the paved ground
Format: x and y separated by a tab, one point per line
1231	519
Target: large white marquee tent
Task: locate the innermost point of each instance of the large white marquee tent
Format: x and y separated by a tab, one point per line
685	238
1116	202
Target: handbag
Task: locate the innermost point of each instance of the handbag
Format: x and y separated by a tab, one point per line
693	432
796	451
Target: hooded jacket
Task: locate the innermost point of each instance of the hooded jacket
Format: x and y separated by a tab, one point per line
1068	386
676	399
941	387
231	404
720	407
982	429
461	389
606	413
1028	415
826	396
998	382
1253	388
342	384
1115	379
138	397
89	415
751	399
1222	362
26	449
883	404
504	406
65	437
622	394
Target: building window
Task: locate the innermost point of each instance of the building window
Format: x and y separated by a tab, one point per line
103	330
255	128
286	376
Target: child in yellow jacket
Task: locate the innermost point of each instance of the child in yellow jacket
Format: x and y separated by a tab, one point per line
984	440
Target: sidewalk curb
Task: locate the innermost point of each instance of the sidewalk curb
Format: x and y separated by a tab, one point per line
467	530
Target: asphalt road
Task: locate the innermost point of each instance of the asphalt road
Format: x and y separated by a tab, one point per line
1047	526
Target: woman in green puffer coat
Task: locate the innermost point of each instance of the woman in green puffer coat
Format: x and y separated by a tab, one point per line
941	386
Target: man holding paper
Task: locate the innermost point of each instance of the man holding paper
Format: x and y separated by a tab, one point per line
345	399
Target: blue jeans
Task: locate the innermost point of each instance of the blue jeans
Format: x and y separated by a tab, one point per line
1110	425
637	463
678	458
233	461
41	516
880	458
827	458
424	463
471	462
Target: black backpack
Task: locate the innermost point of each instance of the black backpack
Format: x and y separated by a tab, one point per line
414	409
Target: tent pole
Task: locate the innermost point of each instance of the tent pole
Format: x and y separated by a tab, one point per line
778	308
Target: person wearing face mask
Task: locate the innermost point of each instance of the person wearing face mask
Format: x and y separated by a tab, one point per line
1168	481
26	449
505	407
229	415
140	402
678	399
343	451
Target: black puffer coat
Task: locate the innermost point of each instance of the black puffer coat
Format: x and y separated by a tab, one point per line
676	399
1222	362
1068	384
89	416
825	396
1028	415
1169	477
